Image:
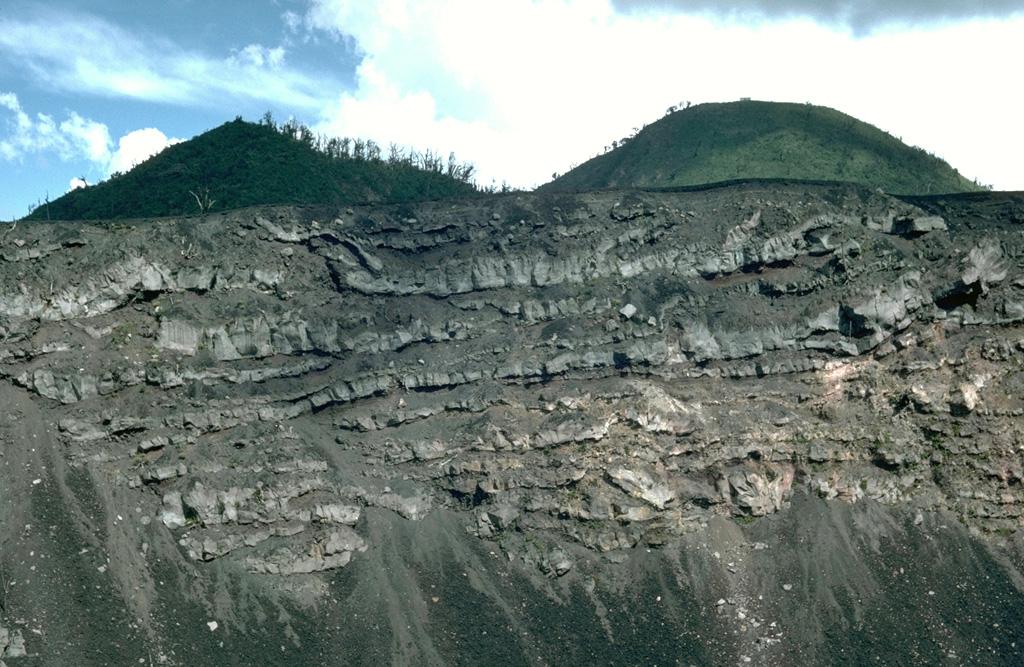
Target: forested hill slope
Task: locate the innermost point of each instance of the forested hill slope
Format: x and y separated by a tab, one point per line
243	164
711	143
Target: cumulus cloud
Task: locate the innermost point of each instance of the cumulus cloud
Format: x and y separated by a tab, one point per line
86	138
72	138
498	83
137	147
860	15
526	88
111	61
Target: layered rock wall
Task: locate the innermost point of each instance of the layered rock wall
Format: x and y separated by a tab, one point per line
607	371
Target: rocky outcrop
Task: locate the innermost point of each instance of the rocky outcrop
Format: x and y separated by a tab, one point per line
565	381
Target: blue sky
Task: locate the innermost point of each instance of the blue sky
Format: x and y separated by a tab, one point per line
521	88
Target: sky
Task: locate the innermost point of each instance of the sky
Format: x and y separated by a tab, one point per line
522	89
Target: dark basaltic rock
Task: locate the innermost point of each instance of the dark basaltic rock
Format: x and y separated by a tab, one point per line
523	429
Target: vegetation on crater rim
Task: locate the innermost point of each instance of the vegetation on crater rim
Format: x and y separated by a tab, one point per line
243	164
710	143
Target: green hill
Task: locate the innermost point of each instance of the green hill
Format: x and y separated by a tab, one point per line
710	143
245	164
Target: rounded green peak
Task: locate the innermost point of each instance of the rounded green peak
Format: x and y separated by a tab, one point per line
711	143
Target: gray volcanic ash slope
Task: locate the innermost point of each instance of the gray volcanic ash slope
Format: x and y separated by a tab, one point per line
766	424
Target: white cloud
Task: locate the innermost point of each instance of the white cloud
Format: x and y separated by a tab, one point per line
382	112
551	86
13	146
86	137
110	61
257	55
74	138
525	88
77	183
137	147
292	21
10	101
493	82
863	16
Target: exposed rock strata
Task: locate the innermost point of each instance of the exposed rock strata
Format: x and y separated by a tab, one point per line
602	372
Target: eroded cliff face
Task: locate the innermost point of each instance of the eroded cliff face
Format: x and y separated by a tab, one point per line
771	422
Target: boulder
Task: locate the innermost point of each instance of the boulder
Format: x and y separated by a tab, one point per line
173	513
643	483
754	493
917	225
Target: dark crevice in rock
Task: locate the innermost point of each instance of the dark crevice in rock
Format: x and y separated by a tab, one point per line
963	295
